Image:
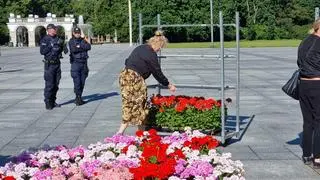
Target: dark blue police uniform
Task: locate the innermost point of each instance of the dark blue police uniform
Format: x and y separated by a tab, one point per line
51	47
79	68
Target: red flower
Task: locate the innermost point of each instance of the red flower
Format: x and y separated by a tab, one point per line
152	132
125	149
218	104
139	133
177	154
201	143
180	107
9	178
154	162
155	100
192	101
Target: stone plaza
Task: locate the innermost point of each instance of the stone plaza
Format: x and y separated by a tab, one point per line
269	148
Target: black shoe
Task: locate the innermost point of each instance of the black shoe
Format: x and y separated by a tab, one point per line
79	101
49	106
307	160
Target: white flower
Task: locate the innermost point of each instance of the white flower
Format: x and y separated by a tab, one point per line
233	177
176	133
20	169
206	158
146	133
187	128
78	159
54	163
32	171
226	155
212	177
132	151
64	155
107	156
42	161
120	146
199	178
170	150
65	163
174	178
197	133
186	149
228	169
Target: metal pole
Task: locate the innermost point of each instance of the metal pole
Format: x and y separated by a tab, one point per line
222	77
140	28
238	74
211	20
158	21
159	53
316	13
130	22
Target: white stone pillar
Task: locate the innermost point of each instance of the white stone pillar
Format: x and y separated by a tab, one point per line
31	38
13	38
31	35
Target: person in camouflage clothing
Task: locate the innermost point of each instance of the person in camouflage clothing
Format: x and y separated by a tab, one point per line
141	63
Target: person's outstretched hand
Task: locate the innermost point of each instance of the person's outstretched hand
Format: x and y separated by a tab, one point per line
172	88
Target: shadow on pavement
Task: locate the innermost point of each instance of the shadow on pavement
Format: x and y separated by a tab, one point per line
230	126
12	70
296	141
93	97
4	160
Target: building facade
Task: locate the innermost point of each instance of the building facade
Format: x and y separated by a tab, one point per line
29	31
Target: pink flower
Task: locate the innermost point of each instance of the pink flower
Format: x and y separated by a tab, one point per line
43	175
78	151
72	170
113	173
118	138
61	147
89	168
76	177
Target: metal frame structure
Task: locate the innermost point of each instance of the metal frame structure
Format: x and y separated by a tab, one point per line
224	135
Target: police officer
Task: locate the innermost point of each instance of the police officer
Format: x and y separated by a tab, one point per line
51	46
79	48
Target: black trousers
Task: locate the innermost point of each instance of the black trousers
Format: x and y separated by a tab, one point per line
52	76
309	99
79	73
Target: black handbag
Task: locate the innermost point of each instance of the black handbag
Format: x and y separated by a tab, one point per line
291	88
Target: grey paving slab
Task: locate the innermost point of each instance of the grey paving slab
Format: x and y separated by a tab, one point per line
279	169
269	148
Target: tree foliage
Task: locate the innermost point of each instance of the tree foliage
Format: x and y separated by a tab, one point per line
259	19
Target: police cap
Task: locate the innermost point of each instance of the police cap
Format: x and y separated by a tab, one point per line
51	26
76	30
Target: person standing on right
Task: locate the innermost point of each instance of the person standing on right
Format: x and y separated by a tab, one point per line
309	95
79	48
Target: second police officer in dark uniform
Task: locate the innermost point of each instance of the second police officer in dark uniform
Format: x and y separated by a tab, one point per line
51	46
79	48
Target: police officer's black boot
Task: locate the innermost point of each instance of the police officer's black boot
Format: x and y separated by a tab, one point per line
49	105
79	101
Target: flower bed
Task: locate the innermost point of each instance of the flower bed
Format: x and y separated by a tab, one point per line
178	112
188	155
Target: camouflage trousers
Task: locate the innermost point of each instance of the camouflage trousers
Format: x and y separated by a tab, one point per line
134	97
